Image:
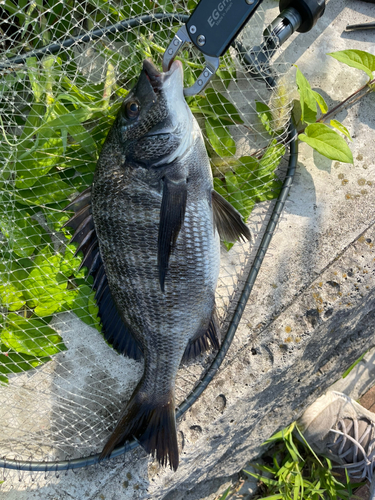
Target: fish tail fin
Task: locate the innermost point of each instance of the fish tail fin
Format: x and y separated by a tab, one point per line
152	424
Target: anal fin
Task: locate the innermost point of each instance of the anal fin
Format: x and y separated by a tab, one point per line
227	220
205	340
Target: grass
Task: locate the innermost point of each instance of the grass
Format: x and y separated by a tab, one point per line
292	471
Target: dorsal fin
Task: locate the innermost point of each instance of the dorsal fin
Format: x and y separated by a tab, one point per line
114	329
227	220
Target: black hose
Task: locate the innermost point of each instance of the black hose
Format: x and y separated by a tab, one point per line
64	465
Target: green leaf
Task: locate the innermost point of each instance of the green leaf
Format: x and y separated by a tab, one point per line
86	94
341	128
31	337
220	138
264	468
27	235
34	77
297	485
9	6
69	264
327	142
223	108
265	115
35	163
56	220
356	59
290	441
46	287
264	479
271	158
67	120
310	115
308	100
279	103
23	233
85	307
82	137
15	270
225	494
33	120
252	180
281	435
234	191
274	497
346	372
70	121
248	165
12	362
10	297
291	451
321	102
219	186
307	445
47	189
225	76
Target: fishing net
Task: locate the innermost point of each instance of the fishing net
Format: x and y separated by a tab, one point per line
62	386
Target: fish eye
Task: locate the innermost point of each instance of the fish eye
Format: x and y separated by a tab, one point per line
132	110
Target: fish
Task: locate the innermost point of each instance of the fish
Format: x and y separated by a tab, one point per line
149	229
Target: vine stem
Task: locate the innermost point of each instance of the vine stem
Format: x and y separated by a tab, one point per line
345	101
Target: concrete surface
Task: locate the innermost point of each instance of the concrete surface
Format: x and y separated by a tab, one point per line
310	316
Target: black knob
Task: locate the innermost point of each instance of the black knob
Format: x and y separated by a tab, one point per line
309	10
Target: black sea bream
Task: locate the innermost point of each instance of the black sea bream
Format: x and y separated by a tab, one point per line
149	229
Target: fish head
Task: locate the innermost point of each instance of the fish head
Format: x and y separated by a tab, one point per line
154	121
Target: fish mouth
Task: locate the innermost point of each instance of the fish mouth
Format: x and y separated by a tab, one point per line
169	85
157	78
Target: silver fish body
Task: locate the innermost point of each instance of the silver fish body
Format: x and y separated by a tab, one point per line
157	222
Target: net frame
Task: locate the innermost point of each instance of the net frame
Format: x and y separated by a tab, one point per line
82	462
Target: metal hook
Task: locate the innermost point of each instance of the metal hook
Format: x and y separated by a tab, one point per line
180	39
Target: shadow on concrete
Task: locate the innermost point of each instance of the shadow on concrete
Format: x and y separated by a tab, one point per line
321	162
360	35
366	111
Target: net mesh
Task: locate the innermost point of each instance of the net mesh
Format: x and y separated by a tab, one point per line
62	387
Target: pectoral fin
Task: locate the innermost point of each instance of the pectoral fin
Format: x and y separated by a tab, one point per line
172	214
227	220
